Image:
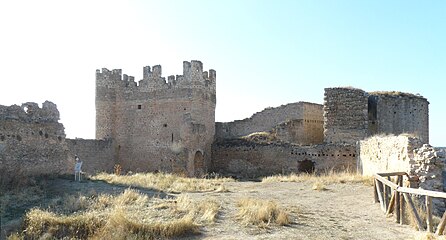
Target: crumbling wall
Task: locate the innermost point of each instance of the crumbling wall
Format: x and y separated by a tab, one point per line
96	155
287	116
387	154
247	159
299	131
32	141
405	153
345	115
399	113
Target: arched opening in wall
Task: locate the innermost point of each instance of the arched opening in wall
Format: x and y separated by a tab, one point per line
306	166
198	164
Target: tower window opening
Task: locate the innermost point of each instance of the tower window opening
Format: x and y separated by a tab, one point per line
139	106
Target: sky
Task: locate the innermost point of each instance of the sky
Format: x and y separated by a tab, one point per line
266	53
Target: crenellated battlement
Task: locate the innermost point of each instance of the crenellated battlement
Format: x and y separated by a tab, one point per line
193	76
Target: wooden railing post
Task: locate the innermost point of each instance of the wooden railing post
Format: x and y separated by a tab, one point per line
441	225
380	195
385	188
429	213
375	191
397	206
402	208
414	211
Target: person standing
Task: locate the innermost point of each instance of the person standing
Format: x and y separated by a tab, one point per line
77	169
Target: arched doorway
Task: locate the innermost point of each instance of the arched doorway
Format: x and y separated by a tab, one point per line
306	166
198	164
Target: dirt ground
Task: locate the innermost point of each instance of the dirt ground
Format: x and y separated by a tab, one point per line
343	211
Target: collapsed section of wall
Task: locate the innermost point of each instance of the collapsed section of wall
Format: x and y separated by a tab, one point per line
404	153
96	155
300	122
247	159
32	141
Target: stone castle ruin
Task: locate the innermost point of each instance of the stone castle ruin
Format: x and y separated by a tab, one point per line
158	125
169	126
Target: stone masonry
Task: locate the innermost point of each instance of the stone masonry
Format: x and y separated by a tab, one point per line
158	125
345	115
404	153
32	141
168	125
299	122
352	114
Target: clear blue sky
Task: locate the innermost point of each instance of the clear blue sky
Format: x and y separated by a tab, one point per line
266	53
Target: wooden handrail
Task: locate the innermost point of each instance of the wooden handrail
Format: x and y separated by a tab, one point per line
422	192
390	174
386	182
400	196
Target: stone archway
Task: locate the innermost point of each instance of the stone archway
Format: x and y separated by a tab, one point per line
306	166
198	164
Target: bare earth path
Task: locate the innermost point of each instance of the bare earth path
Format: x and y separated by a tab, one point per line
344	211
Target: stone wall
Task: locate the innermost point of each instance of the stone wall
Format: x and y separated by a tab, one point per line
303	132
345	115
96	155
247	159
158	125
397	113
288	117
387	154
32	141
405	153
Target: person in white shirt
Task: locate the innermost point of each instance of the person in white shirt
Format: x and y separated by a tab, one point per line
77	169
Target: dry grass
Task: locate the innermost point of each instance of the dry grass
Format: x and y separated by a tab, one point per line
319	186
261	213
130	215
164	182
428	236
329	177
396	94
260	137
422	214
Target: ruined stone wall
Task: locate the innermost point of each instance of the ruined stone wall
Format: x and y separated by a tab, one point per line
402	153
303	132
345	115
32	141
269	118
96	155
399	113
159	125
386	154
405	153
247	159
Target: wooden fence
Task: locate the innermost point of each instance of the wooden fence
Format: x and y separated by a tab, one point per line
393	197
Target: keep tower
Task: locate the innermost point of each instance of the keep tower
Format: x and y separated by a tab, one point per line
158	124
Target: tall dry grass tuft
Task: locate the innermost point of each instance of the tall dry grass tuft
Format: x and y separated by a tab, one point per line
164	182
205	211
261	213
329	177
120	226
130	215
39	223
319	186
